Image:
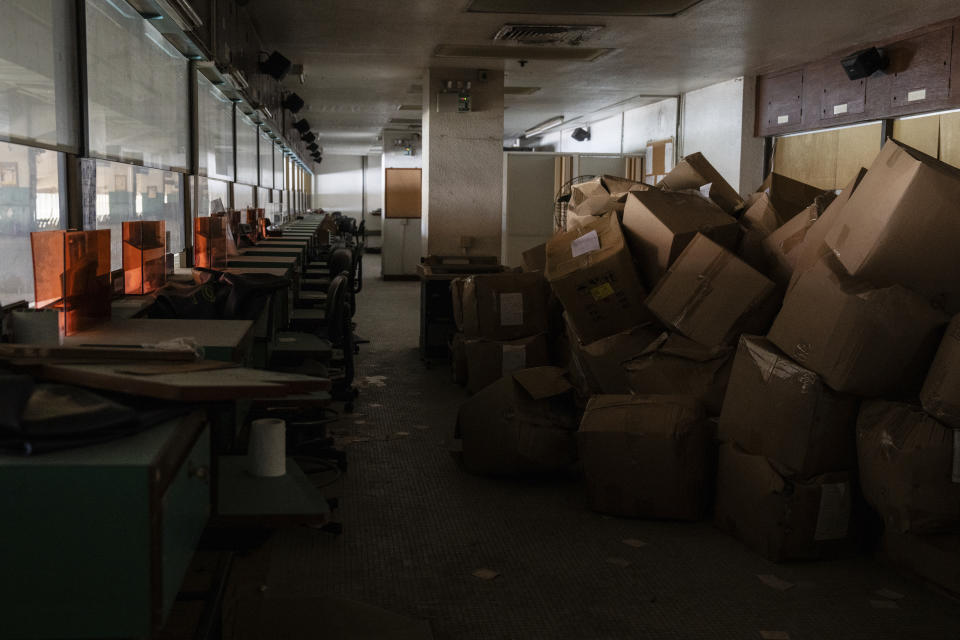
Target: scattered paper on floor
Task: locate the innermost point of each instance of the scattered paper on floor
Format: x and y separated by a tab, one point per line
486	574
774	582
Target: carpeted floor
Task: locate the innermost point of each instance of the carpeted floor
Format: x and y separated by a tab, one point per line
416	528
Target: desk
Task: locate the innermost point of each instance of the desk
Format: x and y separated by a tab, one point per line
273	262
96	540
227	340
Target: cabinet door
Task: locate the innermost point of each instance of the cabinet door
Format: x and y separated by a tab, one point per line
919	71
840	99
780	103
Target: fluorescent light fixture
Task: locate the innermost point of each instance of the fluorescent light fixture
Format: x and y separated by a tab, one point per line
543	126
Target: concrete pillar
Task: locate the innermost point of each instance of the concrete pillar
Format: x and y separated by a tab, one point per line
463	165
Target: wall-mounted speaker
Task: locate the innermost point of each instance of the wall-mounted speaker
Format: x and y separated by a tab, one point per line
302	126
308	137
276	66
580	134
863	64
313	147
293	102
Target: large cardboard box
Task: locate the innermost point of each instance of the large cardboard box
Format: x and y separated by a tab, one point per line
711	296
646	456
788	196
909	467
591	272
523	423
940	394
758	221
504	306
783	411
782	248
597	197
695	172
860	339
673	364
490	360
901	225
814	248
779	518
933	557
660	224
602	362
535	258
658	160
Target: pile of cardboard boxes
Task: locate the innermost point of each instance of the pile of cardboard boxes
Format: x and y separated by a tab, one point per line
777	359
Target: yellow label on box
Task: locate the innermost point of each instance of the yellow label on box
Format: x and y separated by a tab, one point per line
601	291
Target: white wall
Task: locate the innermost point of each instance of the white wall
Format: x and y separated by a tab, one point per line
527	204
373	199
649	123
718	122
606	136
401	242
338	185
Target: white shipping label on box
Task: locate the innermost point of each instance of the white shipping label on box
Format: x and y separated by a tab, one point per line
585	244
783	119
833	519
511	309
956	456
514	358
668	157
705	190
650	155
839	109
919	94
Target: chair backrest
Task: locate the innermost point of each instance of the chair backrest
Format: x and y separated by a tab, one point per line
340	260
337	315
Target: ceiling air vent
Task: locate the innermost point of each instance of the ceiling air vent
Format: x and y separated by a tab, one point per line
546	33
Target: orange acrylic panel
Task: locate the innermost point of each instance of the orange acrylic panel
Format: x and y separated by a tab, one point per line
71	272
210	243
144	256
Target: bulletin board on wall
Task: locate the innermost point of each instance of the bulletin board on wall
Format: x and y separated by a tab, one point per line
402	193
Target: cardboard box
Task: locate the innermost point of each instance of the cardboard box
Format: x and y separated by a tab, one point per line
659	225
601	362
940	394
619	188
535	258
489	360
901	225
933	557
658	160
456	297
783	247
909	467
788	196
458	358
646	456
860	339
592	274
778	409
814	248
779	518
504	306
711	296
695	172
523	423
589	198
672	364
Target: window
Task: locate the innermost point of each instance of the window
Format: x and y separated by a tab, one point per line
137	90
38	83
125	192
208	191
243	196
215	117
277	167
31	183
266	160
247	158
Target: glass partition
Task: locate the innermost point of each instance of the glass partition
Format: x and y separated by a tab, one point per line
215	119
243	196
247	157
32	184
210	190
278	159
266	161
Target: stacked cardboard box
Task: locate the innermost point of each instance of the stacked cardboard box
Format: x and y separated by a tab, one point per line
503	320
598	197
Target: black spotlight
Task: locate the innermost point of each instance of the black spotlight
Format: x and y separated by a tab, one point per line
580	134
276	66
313	147
865	63
302	126
308	137
293	102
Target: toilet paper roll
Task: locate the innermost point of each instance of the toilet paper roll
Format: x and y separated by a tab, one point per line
267	457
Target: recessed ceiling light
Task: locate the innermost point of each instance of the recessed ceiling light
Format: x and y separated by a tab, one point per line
585	7
518	53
